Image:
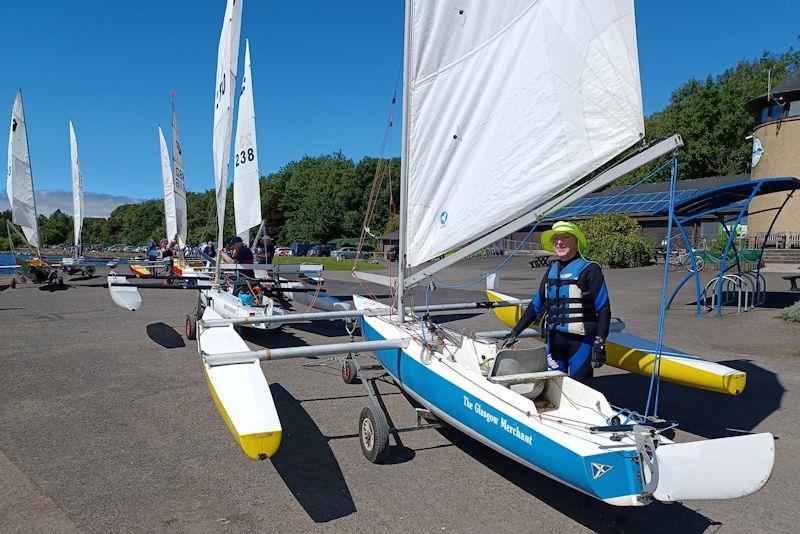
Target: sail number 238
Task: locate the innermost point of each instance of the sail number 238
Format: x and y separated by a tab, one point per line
244	156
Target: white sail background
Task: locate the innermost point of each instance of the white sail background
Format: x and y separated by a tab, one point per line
170	215
77	189
227	60
19	181
246	192
179	182
509	106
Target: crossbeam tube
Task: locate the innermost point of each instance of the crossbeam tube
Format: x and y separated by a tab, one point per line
231	358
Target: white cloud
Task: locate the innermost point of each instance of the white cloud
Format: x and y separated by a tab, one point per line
94	204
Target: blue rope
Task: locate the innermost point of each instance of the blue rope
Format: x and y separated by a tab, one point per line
655	373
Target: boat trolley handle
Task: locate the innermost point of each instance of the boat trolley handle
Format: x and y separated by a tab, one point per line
646	451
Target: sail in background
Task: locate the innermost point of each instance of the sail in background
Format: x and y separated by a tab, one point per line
509	106
19	181
246	193
178	181
227	60
77	189
170	214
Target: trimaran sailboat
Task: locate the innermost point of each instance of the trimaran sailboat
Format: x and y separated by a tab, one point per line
512	104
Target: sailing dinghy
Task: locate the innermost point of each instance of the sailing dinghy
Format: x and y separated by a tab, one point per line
513	104
77	264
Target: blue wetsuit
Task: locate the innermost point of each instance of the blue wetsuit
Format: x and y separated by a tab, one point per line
573	297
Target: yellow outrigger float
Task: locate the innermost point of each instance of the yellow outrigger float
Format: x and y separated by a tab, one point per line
636	355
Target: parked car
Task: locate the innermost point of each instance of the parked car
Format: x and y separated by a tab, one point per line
320	250
301	249
349	253
283	251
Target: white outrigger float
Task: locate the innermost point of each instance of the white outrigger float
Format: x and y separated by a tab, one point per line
529	97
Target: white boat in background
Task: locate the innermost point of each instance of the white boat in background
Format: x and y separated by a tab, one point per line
77	264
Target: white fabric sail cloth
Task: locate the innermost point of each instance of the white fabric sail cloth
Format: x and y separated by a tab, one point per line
179	182
509	106
246	192
77	189
170	214
227	61
19	181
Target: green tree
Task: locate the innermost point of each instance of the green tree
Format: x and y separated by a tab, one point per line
615	240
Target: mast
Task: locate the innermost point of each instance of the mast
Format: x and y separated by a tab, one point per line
77	190
401	249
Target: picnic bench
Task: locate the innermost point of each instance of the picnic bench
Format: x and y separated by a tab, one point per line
793	278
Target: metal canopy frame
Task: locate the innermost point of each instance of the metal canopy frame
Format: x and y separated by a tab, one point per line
763	186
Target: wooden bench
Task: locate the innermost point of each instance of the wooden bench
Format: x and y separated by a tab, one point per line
793	278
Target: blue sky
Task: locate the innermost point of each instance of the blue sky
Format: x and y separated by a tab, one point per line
323	72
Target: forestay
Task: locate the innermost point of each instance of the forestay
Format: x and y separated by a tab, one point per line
19	181
509	106
227	59
77	189
178	182
246	194
170	213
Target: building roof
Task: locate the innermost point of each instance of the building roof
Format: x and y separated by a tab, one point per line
788	89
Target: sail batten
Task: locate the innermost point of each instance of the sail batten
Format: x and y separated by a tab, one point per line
509	106
19	180
77	189
246	193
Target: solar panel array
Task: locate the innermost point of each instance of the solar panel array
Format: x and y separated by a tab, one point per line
632	203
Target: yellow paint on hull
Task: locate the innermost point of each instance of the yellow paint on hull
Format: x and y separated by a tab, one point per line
139	270
257	446
677	370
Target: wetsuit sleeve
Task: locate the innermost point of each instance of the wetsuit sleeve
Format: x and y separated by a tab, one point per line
594	282
533	311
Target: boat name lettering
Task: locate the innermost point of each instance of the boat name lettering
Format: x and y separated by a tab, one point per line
504	423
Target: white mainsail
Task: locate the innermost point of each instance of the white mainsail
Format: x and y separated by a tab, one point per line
246	192
77	189
509	106
170	214
19	181
227	59
178	182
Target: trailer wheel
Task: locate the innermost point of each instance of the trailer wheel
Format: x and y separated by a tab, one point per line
200	308
350	371
373	431
191	326
13	283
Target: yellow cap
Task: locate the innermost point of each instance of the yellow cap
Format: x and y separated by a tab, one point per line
563	227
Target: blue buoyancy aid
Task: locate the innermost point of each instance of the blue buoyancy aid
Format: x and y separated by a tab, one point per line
569	308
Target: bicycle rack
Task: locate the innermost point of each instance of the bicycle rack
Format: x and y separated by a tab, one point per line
758	287
731	283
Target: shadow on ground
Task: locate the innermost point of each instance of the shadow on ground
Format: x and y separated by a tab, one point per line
593	514
165	335
699	412
51	288
307	465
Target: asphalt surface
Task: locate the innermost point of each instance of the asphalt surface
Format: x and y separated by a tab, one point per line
106	424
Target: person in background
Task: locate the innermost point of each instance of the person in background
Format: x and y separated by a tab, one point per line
166	256
573	299
269	250
241	254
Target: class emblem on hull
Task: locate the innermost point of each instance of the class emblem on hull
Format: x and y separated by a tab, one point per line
599	470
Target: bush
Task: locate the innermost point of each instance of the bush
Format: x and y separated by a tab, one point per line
614	240
792	313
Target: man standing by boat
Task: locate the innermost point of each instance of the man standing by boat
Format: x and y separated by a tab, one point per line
242	255
573	299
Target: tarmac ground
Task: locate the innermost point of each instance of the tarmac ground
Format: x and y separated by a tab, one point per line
106	423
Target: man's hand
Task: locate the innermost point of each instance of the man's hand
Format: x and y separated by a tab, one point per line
507	341
598	352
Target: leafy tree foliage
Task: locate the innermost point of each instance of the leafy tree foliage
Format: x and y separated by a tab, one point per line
615	240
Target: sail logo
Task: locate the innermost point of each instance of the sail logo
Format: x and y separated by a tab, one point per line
758	151
13	125
599	470
443	218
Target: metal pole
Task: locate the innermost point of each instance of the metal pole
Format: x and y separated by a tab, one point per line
229	358
324	316
404	164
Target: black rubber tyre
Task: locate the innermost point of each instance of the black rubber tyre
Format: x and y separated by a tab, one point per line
191	326
373	433
200	308
13	283
61	280
350	372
